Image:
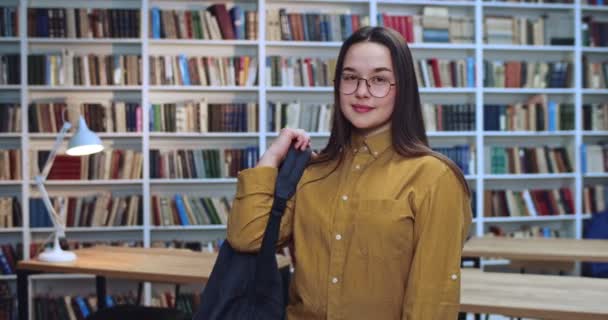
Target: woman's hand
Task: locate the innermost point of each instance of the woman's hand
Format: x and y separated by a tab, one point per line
279	148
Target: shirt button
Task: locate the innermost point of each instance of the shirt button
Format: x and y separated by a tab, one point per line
375	153
334	280
338	237
364	148
344	197
454	276
357	167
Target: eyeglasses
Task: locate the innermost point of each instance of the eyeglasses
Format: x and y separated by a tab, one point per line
377	86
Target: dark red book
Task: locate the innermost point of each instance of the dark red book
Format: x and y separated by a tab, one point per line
223	19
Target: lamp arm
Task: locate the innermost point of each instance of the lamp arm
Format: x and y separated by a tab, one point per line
55	218
49	161
41	178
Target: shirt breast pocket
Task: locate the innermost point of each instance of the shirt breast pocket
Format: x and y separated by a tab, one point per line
384	228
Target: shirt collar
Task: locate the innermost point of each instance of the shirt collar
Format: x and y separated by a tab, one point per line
374	144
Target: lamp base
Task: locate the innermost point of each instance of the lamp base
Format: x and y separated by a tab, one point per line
56	254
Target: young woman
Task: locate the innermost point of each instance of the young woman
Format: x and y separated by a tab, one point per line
379	219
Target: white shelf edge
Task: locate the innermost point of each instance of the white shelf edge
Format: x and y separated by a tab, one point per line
8	277
514	47
218	227
540	176
89	229
9	135
462	3
84	41
11	230
35	88
529	90
9	39
529	218
186	181
189	42
529	133
595	49
594	8
442	46
103	135
595	91
307	44
10	182
57	182
10	87
539	6
595	175
170	135
157	88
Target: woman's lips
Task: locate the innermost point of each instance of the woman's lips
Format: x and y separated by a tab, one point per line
361	108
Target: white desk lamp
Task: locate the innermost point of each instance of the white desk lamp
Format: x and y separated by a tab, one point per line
84	142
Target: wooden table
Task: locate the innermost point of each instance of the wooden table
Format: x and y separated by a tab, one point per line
537	249
153	264
536	296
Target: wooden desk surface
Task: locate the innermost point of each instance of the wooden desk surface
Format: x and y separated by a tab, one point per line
535	296
150	264
538	249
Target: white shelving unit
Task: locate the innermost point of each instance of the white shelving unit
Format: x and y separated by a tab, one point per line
148	94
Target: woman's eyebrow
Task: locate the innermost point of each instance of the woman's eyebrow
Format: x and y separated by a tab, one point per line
375	70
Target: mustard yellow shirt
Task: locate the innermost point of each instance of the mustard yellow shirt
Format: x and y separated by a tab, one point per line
378	238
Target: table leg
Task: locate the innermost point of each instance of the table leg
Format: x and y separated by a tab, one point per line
101	292
176	295
23	294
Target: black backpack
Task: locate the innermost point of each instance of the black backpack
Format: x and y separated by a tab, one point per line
248	286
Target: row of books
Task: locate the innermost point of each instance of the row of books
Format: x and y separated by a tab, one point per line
434	25
100	210
448	117
201	163
527	74
312	117
595	74
10	212
299	71
187	302
10	69
594	157
515	30
185	210
67	69
525	231
9	22
438	73
594	33
595	198
549	116
203	71
77	307
282	24
111	116
528	203
9	255
10	117
83	23
522	160
214	23
595	116
10	164
105	165
462	155
201	116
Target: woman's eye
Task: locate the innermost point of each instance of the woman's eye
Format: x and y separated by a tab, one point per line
379	80
349	77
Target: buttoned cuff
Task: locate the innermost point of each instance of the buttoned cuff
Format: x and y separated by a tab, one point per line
256	180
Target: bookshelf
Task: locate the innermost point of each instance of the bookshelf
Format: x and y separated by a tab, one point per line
146	94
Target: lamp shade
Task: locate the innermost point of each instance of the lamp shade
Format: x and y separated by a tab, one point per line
84	141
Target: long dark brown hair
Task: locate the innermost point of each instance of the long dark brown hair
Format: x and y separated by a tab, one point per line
407	126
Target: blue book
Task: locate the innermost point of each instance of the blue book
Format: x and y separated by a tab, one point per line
238	22
6	267
552	115
155	23
380	20
181	210
349	25
584	158
84	309
470	72
109	302
183	68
